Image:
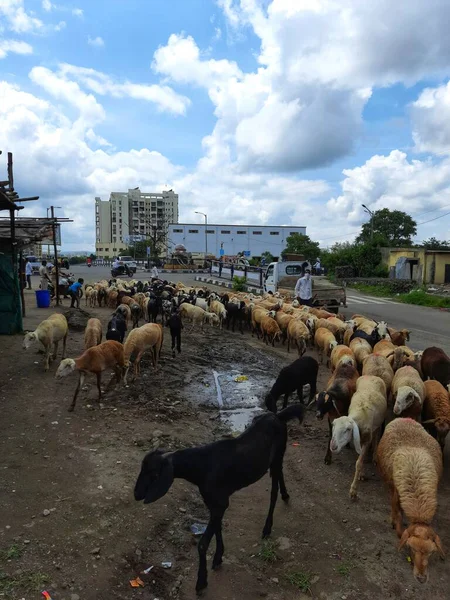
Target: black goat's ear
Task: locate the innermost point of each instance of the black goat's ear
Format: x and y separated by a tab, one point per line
161	486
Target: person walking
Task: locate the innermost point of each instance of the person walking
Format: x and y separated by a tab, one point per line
175	326
28	273
45	279
303	289
74	293
154	272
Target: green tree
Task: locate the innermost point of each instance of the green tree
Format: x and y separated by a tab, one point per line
390	228
434	244
268	256
297	243
363	258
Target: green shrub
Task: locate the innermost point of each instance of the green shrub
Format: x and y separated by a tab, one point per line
381	271
239	283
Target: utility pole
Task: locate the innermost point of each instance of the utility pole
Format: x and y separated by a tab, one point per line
371	213
55	249
197	212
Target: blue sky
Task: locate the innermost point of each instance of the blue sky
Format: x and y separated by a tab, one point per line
264	111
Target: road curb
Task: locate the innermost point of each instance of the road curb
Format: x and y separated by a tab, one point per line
226	284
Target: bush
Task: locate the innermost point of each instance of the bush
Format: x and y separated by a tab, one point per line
360	259
239	283
381	271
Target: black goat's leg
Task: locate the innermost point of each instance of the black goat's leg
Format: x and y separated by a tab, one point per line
220	548
328	454
274	473
286	400
283	491
203	545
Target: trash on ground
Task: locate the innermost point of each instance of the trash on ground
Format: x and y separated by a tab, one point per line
295	444
137	582
198	528
46	595
147	570
166	565
241	378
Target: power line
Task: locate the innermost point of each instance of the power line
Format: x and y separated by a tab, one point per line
435	218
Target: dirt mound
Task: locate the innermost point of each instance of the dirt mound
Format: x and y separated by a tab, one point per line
77	318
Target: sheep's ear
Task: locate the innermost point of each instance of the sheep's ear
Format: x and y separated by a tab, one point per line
440	549
390	354
161	486
356	438
403	539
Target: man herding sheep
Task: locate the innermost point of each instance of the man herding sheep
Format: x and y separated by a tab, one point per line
303	289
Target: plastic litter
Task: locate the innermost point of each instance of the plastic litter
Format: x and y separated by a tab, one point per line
137	582
241	378
147	570
166	565
198	528
46	595
295	444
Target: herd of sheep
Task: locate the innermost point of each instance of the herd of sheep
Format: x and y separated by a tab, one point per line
389	402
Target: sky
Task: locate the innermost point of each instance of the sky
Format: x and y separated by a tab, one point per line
272	112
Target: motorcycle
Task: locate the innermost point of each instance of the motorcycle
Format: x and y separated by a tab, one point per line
121	270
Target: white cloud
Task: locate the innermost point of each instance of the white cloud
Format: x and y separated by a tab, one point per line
47	5
162	95
78	12
17	19
431	120
14	46
98	42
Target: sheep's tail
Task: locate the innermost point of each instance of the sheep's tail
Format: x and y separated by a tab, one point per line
292	412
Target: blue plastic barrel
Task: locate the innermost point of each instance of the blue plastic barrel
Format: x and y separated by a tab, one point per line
42	298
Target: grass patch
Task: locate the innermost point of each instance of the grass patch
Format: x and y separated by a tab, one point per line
421	298
345	568
382	291
13	552
301	580
29	581
268	552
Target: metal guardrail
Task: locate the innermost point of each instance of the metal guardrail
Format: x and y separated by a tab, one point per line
253	275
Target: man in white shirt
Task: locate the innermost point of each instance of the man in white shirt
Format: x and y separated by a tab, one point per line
116	263
45	279
154	273
303	289
28	273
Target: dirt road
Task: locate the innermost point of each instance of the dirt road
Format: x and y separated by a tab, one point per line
69	523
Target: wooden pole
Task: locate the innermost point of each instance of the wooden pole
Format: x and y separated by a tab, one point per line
22	283
55	248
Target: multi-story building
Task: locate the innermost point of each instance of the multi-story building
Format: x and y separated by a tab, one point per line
132	215
231	239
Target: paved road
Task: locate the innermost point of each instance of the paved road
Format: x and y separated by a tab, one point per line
429	326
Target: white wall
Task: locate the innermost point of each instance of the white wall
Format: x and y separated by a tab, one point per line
272	239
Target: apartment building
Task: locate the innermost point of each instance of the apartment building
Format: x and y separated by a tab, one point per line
132	215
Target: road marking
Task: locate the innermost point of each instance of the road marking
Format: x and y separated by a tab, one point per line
368	300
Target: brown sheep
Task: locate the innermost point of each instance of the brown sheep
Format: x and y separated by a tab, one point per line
93	333
410	462
146	337
298	336
436	411
361	349
270	330
336	330
341	354
399	337
325	342
283	321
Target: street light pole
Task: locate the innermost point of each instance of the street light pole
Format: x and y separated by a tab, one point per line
197	212
371	213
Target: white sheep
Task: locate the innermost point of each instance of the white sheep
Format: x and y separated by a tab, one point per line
147	337
362	426
49	333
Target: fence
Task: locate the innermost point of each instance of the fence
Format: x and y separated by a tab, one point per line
253	275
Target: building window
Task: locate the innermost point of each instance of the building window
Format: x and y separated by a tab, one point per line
274	233
210	231
100	249
178	231
225	231
241	232
257	233
193	230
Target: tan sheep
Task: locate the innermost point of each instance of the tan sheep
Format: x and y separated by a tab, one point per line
94	360
341	355
325	342
139	340
399	337
408	393
49	333
93	333
436	411
336	330
194	313
125	310
298	335
379	367
283	321
410	462
361	349
270	330
219	309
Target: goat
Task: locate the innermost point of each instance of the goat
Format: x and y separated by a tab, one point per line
436	365
294	377
220	469
117	328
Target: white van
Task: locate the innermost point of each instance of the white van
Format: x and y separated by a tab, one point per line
284	274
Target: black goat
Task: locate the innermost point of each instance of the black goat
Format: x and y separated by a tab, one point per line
220	469
175	325
235	312
292	378
154	307
102	296
135	314
373	338
117	327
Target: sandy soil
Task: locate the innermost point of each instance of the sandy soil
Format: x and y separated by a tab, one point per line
69	523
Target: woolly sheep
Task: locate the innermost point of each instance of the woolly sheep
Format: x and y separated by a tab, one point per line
49	333
341	355
93	333
325	342
361	349
410	462
298	336
147	337
380	367
408	393
436	411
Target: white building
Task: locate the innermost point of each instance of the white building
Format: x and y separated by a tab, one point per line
253	239
131	215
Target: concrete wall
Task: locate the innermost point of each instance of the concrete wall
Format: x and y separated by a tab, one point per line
232	238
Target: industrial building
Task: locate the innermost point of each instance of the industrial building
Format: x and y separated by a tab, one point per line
228	240
129	216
